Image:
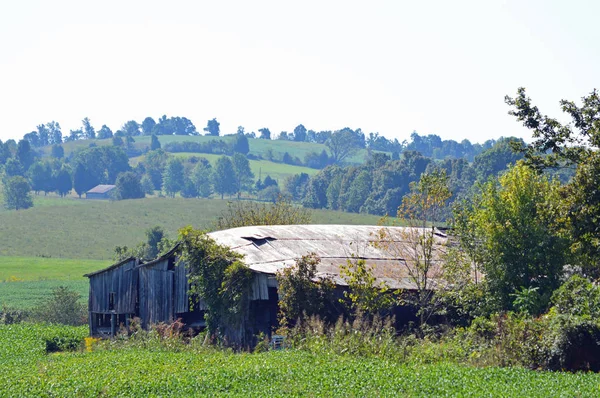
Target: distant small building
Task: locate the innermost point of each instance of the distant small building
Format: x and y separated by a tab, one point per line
100	192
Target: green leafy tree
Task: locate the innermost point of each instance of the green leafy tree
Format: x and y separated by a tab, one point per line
189	189
17	193
4	153
104	132
154	236
54	133
498	158
300	133
224	179
58	151
583	200
301	293
148	126
88	130
13	168
556	143
147	185
155	163
518	223
173	177
25	154
154	143
212	127
118	141
242	172
64	182
420	247
365	294
81	184
63	306
265	133
202	179
40	175
571	145
343	144
240	144
131	128
128	186
74	135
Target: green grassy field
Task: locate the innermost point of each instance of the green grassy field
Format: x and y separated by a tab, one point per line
262	168
25	281
17	269
59	239
28	294
258	146
89	229
26	370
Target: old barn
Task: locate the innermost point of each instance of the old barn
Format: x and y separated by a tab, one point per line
157	291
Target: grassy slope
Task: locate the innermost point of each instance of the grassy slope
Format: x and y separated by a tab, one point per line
26	370
257	146
78	228
48	236
277	171
16	269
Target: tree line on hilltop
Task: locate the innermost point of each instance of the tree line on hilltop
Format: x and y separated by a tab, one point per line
376	186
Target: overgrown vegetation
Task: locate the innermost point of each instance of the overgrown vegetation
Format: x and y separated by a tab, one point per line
221	281
301	293
244	213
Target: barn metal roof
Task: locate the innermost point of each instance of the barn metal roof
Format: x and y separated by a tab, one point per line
268	249
390	251
101	188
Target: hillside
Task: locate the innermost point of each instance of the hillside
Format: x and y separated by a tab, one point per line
262	168
258	147
80	228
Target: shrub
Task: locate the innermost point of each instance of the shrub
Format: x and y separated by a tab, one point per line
62	307
577	296
9	316
573	343
299	294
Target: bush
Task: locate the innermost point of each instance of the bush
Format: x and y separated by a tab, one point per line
9	316
577	296
62	307
573	343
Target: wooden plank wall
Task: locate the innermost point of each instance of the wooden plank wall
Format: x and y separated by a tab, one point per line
122	281
182	303
156	293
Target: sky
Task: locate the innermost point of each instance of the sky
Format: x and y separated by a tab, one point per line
392	67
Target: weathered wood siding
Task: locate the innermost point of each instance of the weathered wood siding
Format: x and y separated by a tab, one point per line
121	282
182	301
260	289
156	293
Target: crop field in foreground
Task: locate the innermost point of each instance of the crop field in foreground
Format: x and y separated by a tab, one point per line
27	370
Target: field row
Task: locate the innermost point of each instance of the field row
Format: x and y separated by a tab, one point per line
27	370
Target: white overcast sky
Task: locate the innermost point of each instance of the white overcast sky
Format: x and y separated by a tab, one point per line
440	67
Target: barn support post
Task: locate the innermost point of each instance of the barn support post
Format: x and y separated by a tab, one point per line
91	323
113	324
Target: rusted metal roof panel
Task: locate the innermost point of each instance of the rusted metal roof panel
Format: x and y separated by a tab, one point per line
269	249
